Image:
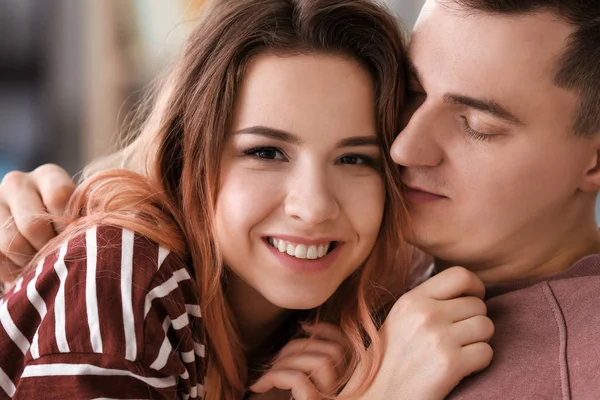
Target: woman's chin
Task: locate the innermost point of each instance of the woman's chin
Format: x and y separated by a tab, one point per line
297	299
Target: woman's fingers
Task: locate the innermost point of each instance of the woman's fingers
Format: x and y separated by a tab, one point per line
435	333
326	331
308	367
297	382
451	283
318	367
476	329
463	308
334	351
476	357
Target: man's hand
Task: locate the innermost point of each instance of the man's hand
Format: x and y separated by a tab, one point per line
24	200
434	336
305	368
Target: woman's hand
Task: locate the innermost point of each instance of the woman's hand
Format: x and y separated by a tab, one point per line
24	197
434	336
305	368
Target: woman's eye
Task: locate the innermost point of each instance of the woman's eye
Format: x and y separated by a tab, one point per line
351	160
355	159
265	153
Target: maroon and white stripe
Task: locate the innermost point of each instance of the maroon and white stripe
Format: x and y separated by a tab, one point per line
110	309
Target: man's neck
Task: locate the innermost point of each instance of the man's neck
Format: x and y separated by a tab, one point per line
541	259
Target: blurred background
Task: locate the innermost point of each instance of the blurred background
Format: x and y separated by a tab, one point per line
70	71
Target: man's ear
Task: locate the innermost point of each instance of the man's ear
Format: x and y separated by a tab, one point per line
591	180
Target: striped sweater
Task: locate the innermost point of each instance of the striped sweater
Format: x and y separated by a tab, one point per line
111	315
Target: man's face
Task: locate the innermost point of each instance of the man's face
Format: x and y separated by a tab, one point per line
491	136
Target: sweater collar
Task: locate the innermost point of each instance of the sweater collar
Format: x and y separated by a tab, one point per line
586	266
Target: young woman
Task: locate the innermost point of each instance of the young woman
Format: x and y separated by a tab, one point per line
264	199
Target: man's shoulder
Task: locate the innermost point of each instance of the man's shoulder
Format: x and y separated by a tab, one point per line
552	325
578	285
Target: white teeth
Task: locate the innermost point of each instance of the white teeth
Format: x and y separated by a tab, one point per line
281	246
291	250
322	250
312	254
301	251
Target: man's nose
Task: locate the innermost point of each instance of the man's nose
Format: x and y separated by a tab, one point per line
416	145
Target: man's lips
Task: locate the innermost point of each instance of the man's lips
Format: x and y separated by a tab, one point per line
415	188
418	195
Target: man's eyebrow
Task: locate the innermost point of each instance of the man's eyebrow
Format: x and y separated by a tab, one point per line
489	106
278	134
271	133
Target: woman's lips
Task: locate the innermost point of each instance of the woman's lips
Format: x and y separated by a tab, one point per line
306	265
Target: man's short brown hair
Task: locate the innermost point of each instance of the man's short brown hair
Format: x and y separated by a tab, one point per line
579	67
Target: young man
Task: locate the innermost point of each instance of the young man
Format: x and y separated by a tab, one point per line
501	162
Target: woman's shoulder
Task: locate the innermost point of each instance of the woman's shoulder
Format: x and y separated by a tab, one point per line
109	296
112	273
115	244
122	266
114	255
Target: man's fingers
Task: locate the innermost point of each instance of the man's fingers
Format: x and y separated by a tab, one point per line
477	329
463	308
55	187
24	226
319	368
12	244
30	217
301	387
451	283
9	271
476	357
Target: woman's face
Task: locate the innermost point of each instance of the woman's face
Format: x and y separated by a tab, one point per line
301	193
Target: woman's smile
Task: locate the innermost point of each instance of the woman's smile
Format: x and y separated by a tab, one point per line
296	255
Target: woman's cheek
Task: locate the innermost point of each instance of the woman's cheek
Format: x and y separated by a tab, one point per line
364	201
247	196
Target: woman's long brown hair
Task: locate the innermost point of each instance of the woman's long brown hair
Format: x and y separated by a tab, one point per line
179	148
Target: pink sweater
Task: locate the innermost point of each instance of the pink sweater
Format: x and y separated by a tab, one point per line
546	344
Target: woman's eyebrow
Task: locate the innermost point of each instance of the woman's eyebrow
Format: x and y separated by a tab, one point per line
271	133
356	141
278	134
